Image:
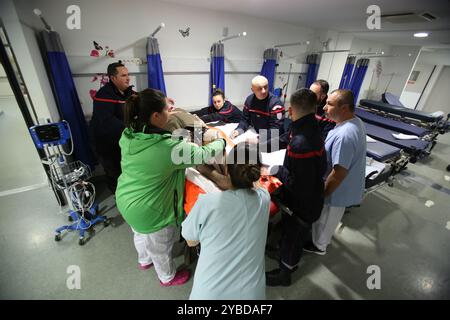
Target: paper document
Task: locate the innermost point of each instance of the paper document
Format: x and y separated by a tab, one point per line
273	158
251	133
228	128
402	136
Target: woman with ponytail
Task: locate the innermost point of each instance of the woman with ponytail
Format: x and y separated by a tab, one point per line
231	227
150	189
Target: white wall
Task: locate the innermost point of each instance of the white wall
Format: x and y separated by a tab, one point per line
400	67
27	55
439	59
332	64
124	26
411	95
396	66
20	165
5	88
440	95
19	162
394	72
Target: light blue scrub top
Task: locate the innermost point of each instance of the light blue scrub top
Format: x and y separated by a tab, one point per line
232	229
346	146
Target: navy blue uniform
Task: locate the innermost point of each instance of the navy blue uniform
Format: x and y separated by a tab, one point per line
106	128
302	191
319	109
228	113
262	114
325	124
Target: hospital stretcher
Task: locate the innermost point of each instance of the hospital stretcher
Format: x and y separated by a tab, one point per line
383	162
416	149
419	144
197	184
390	123
436	117
436	122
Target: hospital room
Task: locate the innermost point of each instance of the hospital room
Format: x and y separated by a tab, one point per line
238	150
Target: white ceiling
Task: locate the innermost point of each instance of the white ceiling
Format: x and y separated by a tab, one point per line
346	16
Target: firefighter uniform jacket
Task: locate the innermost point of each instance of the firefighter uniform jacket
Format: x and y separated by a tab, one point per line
107	116
262	114
303	170
228	113
325	124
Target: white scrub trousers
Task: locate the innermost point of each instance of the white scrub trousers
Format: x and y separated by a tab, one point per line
323	229
156	248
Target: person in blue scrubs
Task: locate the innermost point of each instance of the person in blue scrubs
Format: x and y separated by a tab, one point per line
231	227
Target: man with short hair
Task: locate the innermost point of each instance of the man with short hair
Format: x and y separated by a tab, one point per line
346	155
107	120
320	88
302	193
262	110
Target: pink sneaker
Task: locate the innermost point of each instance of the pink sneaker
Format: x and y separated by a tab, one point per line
181	277
145	266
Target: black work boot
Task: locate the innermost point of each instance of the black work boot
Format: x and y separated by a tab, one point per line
278	277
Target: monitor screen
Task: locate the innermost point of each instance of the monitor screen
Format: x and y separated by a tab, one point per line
48	133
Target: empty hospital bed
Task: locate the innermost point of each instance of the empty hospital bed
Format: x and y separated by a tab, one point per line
416	149
387	130
434	122
383	162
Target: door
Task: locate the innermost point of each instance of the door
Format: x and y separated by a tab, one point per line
20	165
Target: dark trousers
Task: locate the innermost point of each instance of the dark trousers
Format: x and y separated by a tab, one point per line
109	156
295	233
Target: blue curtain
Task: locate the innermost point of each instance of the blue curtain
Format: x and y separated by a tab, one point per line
269	66
313	66
66	96
354	75
154	66
358	76
217	69
347	74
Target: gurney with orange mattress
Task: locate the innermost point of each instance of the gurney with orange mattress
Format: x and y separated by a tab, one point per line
197	184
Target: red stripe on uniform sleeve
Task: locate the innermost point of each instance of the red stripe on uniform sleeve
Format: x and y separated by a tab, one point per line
226	112
277	111
259	112
108	100
305	155
324	119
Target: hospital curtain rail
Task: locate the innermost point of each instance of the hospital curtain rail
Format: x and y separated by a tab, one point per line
358	77
217	69
155	74
347	74
269	66
66	95
313	67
